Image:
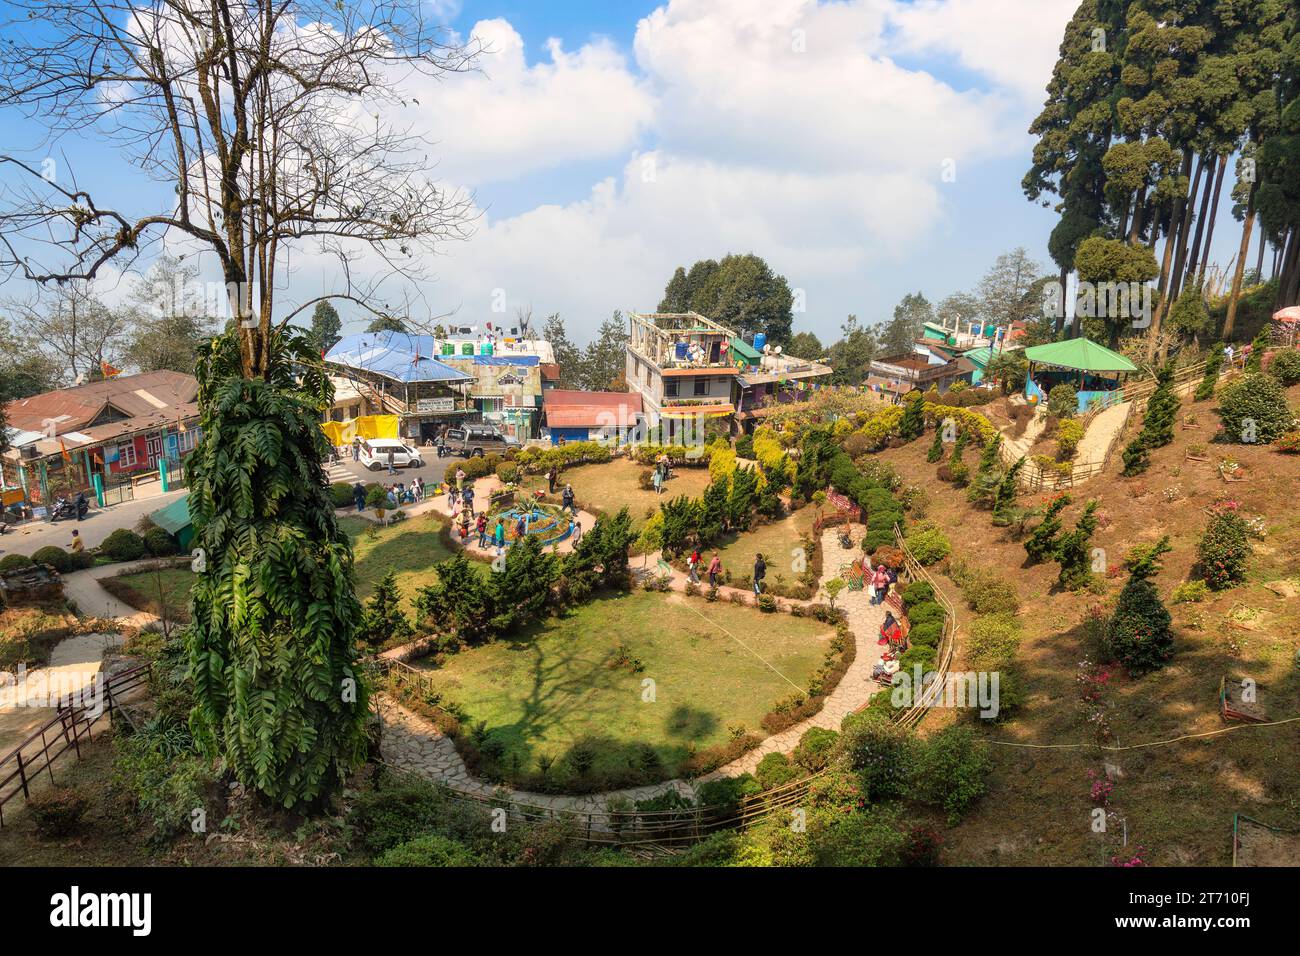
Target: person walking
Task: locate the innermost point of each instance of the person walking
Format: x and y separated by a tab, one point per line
567	499
359	496
657	479
521	528
760	572
499	535
467	496
693	566
453	496
715	568
356	450
392	469
482	531
551	474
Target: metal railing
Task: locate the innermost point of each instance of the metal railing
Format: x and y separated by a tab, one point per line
72	724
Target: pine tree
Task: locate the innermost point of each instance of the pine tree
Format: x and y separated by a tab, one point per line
681	520
740	504
384	618
1073	551
713	508
1157	423
460	603
1255	360
1213	364
1042	543
936	446
1139	631
987	476
521	587
1004	499
912	424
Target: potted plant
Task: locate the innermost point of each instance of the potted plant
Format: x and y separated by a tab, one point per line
377	499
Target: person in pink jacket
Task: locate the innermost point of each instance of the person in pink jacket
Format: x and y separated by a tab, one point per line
880	585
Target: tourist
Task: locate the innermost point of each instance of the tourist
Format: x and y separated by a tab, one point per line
359	496
693	566
657	479
567	499
879	585
521	528
577	530
392	497
482	531
715	568
77	545
760	571
392	469
464	526
356	449
460	478
551	474
499	535
453	496
1227	354
467	496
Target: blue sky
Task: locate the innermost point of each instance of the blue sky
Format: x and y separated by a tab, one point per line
606	143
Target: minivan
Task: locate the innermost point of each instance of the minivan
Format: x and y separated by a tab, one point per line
374	454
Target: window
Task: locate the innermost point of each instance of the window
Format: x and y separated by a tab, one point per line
701	386
186	440
670	387
126	455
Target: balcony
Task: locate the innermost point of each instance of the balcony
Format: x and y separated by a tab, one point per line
680	341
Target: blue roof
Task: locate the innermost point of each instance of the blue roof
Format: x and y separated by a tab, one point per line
396	355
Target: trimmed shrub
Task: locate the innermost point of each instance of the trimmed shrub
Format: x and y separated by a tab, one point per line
1189	592
12	562
1062	401
55	557
881	753
341	494
508	472
725	794
928	544
429	850
926	613
1224	550
815	748
926	635
123	545
994	640
159	542
917	592
776	770
1254	409
1285	367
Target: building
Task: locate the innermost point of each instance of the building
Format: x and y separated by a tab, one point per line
100	436
1095	372
430	382
930	364
569	415
686	367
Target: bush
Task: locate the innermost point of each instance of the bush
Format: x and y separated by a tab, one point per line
984	590
745	447
1139	634
341	494
927	613
123	545
950	771
429	850
1224	550
725	794
1254	409
994	640
926	635
815	748
160	543
476	467
55	557
928	544
1189	592
776	770
57	812
881	752
1062	401
508	472
12	562
399	812
163	777
1285	367
918	592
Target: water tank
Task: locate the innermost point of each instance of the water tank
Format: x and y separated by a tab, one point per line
448	348
467	348
485	349
760	339
681	351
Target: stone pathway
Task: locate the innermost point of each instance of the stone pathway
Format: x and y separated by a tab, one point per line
413	743
82	590
1101	432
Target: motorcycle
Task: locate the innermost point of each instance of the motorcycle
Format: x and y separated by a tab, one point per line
62	508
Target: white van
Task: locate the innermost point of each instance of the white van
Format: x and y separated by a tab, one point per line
374	454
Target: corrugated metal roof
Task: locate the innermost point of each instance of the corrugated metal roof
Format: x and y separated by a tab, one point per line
395	355
132	395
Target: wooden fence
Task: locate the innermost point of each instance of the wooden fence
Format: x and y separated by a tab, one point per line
947	644
73	722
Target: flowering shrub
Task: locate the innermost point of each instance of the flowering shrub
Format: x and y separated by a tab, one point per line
1101	789
1224	548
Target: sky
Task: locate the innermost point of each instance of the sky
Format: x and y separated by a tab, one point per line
865	148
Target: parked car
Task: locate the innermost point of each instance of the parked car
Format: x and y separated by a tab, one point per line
374	454
475	440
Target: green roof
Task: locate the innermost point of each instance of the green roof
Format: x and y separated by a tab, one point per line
745	351
1082	354
175	516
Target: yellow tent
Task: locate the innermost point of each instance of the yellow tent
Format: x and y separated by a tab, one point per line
367	426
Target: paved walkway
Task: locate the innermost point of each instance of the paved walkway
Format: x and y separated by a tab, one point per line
1101	432
413	743
82	589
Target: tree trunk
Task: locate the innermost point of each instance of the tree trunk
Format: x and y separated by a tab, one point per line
1166	278
1237	273
1288	292
1259	262
1180	255
1194	257
1214	214
1060	317
1135	227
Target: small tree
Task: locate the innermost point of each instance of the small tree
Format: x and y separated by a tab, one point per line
740	503
984	487
460	603
383	619
1157	423
1004	498
1074	553
1254	409
377	501
1042	543
1062	400
912	425
681	520
1213	364
936	446
1139	632
1224	549
833	588
1255	360
521	587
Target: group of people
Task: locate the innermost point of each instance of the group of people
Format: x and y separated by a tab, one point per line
396	494
659	477
693	567
879	581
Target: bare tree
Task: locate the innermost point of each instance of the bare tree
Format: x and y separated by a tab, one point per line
269	120
72	326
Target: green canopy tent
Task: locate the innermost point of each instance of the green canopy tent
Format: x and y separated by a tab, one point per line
1095	371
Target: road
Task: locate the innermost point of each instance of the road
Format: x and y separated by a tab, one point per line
100	523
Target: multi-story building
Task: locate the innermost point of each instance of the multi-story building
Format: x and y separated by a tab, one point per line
686	367
429	382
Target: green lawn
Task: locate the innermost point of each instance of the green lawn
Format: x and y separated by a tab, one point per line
141	590
607	488
562	681
776	541
411	548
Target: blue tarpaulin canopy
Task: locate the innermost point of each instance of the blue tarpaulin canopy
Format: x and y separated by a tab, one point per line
397	355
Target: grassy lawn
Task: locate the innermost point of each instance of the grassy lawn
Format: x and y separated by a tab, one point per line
607	488
776	541
141	591
411	548
567	679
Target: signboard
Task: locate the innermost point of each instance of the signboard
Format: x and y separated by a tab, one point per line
435	404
